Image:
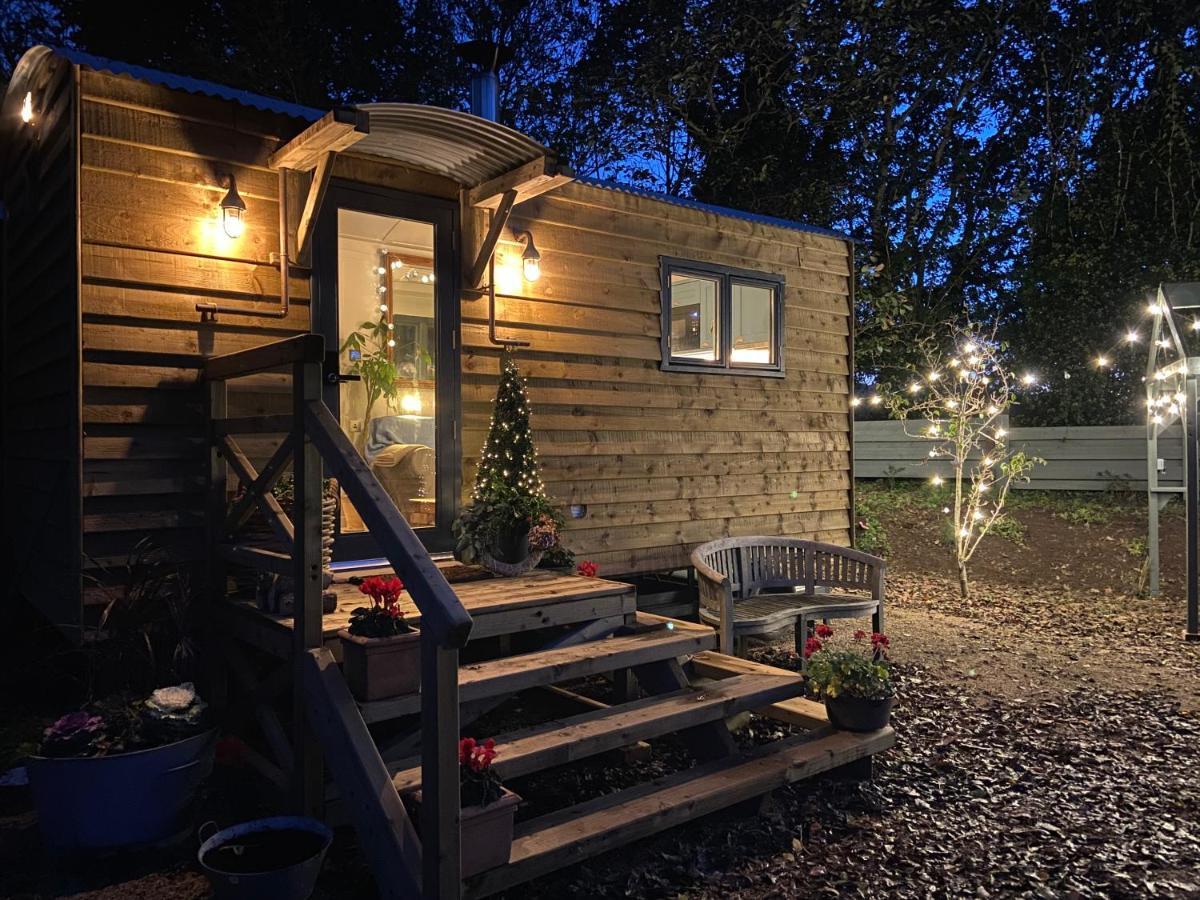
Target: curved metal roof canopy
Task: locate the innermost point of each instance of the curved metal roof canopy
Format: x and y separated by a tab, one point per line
455	144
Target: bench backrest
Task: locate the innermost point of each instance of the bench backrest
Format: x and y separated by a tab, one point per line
770	563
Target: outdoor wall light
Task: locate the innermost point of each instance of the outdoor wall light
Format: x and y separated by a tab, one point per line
27	108
531	260
233	208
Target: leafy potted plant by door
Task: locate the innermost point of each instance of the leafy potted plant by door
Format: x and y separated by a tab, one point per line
511	523
381	652
488	808
854	679
120	774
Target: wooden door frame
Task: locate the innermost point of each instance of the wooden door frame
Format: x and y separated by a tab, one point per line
444	216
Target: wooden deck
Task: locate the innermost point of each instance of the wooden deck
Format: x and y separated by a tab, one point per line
499	606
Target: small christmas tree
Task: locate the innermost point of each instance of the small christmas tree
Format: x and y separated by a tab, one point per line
510	523
509	460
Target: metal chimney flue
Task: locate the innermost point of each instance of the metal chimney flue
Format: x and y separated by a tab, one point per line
486	58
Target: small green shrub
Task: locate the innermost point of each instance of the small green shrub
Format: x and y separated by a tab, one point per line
1009	528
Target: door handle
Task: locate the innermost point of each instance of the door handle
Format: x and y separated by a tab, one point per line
332	375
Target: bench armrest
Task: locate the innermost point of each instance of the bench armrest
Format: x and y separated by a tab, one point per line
716	593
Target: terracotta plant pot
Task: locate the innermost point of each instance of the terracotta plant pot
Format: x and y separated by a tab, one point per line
858	713
376	668
487	834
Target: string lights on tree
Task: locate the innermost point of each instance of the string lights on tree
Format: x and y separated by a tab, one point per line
959	401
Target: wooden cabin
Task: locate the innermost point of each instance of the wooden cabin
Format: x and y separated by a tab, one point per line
183	262
652	435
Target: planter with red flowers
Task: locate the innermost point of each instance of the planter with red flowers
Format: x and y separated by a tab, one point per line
854	678
488	808
381	652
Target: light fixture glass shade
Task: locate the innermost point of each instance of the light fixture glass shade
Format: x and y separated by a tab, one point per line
233	209
531	260
27	108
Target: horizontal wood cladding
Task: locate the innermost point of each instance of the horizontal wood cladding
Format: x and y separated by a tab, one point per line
40	364
662	461
153	169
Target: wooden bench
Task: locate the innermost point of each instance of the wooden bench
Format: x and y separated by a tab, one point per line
758	585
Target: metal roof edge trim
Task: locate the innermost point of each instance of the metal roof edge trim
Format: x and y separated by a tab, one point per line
190	85
713	207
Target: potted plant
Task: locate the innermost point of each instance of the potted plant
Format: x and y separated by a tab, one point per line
855	679
511	523
121	774
488	808
381	652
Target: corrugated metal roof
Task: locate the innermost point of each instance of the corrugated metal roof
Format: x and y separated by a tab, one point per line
191	85
712	207
456	144
482	150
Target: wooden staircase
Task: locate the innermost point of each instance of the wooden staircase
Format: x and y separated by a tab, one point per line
589	627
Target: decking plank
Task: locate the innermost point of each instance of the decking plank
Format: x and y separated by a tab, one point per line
600	730
511	674
571	835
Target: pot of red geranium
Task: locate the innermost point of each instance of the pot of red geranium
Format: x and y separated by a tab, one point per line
854	679
488	808
121	774
381	652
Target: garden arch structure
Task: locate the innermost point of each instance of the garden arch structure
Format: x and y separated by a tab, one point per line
1173	395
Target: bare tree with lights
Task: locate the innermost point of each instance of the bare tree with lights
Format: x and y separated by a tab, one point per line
960	398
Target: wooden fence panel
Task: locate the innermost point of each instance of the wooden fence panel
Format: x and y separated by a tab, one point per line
1085	458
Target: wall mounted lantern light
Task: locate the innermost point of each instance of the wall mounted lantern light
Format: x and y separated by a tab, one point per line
27	108
233	208
531	260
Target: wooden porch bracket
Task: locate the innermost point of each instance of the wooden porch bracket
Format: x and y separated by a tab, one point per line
499	219
333	132
527	181
312	204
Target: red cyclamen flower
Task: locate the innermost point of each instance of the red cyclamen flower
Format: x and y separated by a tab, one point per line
588	569
879	640
824	631
859	635
811	646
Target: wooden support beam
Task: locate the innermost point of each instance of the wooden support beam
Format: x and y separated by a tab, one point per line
312	204
258	558
385	833
440	808
307	773
268	722
488	247
215	687
253	425
333	132
528	180
265	358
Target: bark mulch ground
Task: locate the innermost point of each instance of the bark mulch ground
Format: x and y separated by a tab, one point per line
1048	746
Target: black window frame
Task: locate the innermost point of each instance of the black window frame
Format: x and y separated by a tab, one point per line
726	277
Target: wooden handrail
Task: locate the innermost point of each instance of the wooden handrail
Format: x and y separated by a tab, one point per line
442	612
320	701
299	349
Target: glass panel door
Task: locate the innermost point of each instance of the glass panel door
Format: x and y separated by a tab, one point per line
392	319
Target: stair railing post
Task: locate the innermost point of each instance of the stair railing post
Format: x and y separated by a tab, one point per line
440	807
217	584
307	776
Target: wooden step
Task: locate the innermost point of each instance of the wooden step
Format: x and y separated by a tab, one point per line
797	711
571	835
511	674
567	740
